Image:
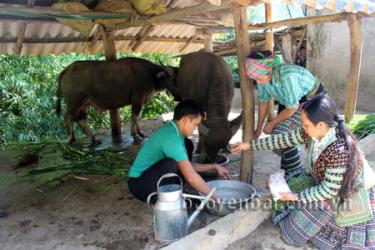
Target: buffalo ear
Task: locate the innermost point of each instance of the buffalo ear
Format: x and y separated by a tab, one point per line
161	74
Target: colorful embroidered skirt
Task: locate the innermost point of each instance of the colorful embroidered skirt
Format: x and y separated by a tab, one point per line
315	223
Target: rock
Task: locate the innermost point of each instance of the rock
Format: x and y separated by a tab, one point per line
367	146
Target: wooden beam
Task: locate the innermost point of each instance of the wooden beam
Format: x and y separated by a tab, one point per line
45	3
8	18
269	46
173	14
356	44
208	42
287	48
41	12
21	31
308	20
81	39
189	41
143	33
299	45
108	44
269	34
247	89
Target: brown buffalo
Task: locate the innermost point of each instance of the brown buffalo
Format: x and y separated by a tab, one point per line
207	79
108	85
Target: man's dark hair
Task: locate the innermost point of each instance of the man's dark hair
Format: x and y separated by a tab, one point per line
188	107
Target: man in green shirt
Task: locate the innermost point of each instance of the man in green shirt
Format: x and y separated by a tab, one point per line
290	85
169	150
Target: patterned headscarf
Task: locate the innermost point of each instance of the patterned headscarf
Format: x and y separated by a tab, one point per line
260	67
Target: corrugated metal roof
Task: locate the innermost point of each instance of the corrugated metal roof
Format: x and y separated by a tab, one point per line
168	38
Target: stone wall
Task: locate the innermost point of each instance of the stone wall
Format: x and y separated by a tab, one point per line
328	56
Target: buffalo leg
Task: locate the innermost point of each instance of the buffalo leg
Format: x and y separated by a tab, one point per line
200	146
134	130
116	125
85	127
82	122
70	128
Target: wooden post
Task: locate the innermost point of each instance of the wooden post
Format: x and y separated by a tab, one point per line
287	48
208	43
108	44
356	44
21	31
269	46
247	89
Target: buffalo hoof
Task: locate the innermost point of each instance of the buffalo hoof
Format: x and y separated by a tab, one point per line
117	140
137	139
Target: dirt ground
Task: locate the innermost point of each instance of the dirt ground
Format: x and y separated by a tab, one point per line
100	213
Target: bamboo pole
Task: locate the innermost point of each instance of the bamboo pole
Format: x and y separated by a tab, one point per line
356	44
247	89
269	46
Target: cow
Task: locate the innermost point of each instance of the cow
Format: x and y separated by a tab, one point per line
207	79
108	85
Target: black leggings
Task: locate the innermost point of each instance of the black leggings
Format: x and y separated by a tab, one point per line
145	184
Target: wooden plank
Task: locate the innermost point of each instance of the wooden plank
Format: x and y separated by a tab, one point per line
21	31
247	89
356	44
9	18
81	39
44	3
269	46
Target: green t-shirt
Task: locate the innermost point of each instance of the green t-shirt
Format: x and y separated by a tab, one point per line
167	142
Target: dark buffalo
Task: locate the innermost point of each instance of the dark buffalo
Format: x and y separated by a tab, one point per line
108	85
207	79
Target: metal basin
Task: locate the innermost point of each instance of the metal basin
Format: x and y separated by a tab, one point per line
201	158
232	194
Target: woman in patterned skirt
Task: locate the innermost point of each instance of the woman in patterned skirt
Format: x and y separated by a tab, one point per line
289	85
335	164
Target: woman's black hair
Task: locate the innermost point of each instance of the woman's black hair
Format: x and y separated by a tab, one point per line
322	108
260	54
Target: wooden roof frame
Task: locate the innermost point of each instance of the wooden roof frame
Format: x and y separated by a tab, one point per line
239	10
